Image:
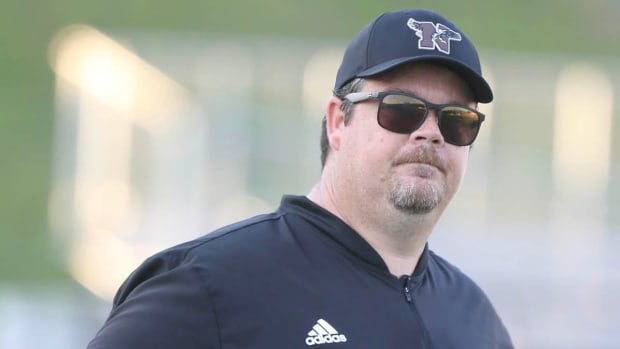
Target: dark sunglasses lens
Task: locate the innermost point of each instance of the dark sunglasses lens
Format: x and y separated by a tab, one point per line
459	126
401	114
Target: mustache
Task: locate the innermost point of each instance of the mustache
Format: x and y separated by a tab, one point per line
422	154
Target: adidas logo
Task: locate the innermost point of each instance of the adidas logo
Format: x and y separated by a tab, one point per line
323	333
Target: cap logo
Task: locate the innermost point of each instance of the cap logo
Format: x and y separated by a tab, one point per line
433	36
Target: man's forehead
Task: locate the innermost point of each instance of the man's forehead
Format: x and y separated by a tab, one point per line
418	75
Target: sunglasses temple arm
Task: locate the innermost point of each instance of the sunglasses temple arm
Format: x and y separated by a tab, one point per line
360	96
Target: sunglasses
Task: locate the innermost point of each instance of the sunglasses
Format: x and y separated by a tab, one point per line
404	113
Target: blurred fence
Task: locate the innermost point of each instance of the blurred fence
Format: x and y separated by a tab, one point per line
162	137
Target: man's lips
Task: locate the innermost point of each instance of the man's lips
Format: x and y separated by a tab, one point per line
421	154
423	162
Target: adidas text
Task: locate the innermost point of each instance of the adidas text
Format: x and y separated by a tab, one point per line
334	338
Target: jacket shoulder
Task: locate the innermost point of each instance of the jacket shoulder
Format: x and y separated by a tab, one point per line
202	251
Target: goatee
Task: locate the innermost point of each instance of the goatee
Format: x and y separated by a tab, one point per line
410	199
419	197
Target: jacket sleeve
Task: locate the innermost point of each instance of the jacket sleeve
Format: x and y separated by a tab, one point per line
163	304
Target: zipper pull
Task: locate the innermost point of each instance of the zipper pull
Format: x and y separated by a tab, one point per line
407	290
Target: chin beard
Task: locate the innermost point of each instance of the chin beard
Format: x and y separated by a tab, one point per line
415	199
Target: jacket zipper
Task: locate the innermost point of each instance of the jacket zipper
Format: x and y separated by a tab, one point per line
409	298
407	290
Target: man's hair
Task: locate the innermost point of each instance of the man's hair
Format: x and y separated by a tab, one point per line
346	106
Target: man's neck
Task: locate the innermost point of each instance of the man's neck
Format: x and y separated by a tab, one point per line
399	238
400	252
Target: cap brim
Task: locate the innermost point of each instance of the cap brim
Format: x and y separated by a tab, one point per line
480	88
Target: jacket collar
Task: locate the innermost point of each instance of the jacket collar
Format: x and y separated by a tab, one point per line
338	231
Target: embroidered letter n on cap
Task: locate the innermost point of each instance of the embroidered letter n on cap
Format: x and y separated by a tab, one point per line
433	36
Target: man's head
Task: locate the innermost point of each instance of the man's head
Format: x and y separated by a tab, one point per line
397	38
404	140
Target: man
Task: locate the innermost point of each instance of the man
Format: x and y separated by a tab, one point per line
348	266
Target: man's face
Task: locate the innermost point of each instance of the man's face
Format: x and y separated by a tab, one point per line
417	172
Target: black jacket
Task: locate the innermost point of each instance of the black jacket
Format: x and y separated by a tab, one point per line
296	278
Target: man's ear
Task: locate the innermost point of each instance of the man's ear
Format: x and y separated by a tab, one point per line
334	124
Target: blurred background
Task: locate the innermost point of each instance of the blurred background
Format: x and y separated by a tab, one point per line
127	127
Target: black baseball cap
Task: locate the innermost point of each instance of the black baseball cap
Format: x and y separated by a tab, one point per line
396	38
